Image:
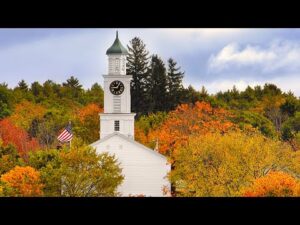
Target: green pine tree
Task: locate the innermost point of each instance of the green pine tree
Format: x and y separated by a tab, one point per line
73	88
175	87
137	66
157	80
22	85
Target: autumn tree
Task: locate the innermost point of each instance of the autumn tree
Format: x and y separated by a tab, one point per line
48	163
270	107
218	164
95	95
51	90
274	184
88	123
256	120
46	128
25	112
11	134
86	173
146	123
9	158
24	181
186	120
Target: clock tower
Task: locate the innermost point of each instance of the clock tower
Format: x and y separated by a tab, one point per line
117	116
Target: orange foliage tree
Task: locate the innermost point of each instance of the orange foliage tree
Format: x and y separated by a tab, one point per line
11	134
25	112
24	181
200	118
88	122
274	184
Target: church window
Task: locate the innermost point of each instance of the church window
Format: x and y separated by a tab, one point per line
117	125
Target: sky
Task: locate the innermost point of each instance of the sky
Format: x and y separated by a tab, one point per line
214	58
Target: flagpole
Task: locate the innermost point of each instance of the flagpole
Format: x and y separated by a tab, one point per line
71	138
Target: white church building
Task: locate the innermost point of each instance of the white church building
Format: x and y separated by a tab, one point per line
144	169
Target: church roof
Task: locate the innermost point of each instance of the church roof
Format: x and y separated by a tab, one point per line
117	47
130	140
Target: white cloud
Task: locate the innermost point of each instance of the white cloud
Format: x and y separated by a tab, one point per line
279	55
285	83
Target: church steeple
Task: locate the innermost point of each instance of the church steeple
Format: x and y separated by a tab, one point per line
117	116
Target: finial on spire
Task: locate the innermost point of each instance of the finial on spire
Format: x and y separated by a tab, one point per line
117	34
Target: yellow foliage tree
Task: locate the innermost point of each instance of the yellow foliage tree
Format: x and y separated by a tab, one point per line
218	164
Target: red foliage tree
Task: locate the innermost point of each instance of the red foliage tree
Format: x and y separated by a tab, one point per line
11	134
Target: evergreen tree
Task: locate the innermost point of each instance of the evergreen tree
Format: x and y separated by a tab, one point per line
137	66
5	101
48	88
271	89
157	81
36	89
248	94
190	95
235	92
258	92
22	85
291	105
203	94
73	82
175	87
73	88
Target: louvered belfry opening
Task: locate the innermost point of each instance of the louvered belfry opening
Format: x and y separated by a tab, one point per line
117	104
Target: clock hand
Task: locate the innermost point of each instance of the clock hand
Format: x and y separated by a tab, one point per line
114	87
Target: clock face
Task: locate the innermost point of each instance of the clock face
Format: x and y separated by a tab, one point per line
116	87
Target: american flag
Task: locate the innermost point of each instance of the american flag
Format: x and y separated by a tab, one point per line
66	135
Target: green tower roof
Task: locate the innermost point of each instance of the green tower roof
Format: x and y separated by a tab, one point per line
117	47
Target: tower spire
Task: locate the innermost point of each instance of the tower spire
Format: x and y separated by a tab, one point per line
117	47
